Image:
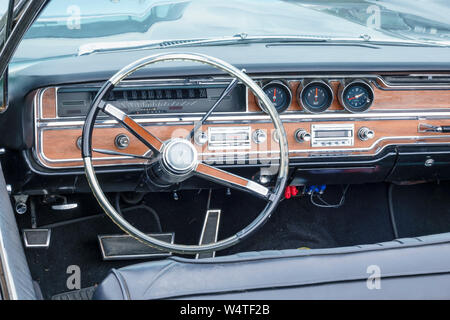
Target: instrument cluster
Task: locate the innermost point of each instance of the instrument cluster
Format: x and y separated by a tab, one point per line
178	98
317	95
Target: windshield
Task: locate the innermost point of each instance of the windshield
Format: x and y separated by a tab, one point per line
3	19
65	25
3	7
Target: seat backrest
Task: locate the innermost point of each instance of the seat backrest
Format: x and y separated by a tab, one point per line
405	269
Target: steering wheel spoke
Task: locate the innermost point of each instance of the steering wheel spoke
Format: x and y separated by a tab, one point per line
225	92
135	128
123	154
232	180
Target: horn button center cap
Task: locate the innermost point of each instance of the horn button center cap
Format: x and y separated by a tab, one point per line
180	156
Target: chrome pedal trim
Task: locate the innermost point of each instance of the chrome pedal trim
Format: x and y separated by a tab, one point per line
64	207
29	234
141	250
210	231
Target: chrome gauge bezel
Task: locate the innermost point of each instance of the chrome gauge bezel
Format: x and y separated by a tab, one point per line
344	88
286	87
302	89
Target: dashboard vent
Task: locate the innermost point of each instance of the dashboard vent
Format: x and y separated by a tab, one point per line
174	43
418	79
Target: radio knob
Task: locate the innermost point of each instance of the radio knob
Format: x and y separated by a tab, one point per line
302	136
122	141
201	138
259	136
365	134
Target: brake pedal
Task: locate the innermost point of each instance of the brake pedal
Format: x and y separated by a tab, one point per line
209	232
125	247
36	238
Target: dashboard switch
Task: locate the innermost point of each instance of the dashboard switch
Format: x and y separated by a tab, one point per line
365	134
259	136
122	141
302	136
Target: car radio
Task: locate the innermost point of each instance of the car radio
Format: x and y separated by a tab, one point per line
226	138
332	135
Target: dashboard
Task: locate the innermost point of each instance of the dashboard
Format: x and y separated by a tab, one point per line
324	115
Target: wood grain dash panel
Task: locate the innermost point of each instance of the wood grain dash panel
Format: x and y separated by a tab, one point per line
252	104
383	99
61	144
410	99
49	103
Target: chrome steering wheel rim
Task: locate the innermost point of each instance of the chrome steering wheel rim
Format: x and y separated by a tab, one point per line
99	104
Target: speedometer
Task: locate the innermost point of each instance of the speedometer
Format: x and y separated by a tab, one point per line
357	96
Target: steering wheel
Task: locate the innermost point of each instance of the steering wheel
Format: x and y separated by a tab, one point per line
176	159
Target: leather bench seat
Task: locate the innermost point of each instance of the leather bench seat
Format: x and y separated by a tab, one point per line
411	268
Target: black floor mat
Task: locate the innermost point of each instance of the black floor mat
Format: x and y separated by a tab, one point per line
422	209
298	223
77	244
363	219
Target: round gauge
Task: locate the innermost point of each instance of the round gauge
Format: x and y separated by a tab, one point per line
316	96
357	96
279	94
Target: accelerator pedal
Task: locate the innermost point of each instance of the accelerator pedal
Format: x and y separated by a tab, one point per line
125	247
36	238
209	232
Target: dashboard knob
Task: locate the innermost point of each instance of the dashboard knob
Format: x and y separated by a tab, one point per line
79	139
201	138
122	141
365	134
302	135
259	136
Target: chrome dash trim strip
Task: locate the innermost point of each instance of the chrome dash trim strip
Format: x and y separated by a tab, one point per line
367	116
382	84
